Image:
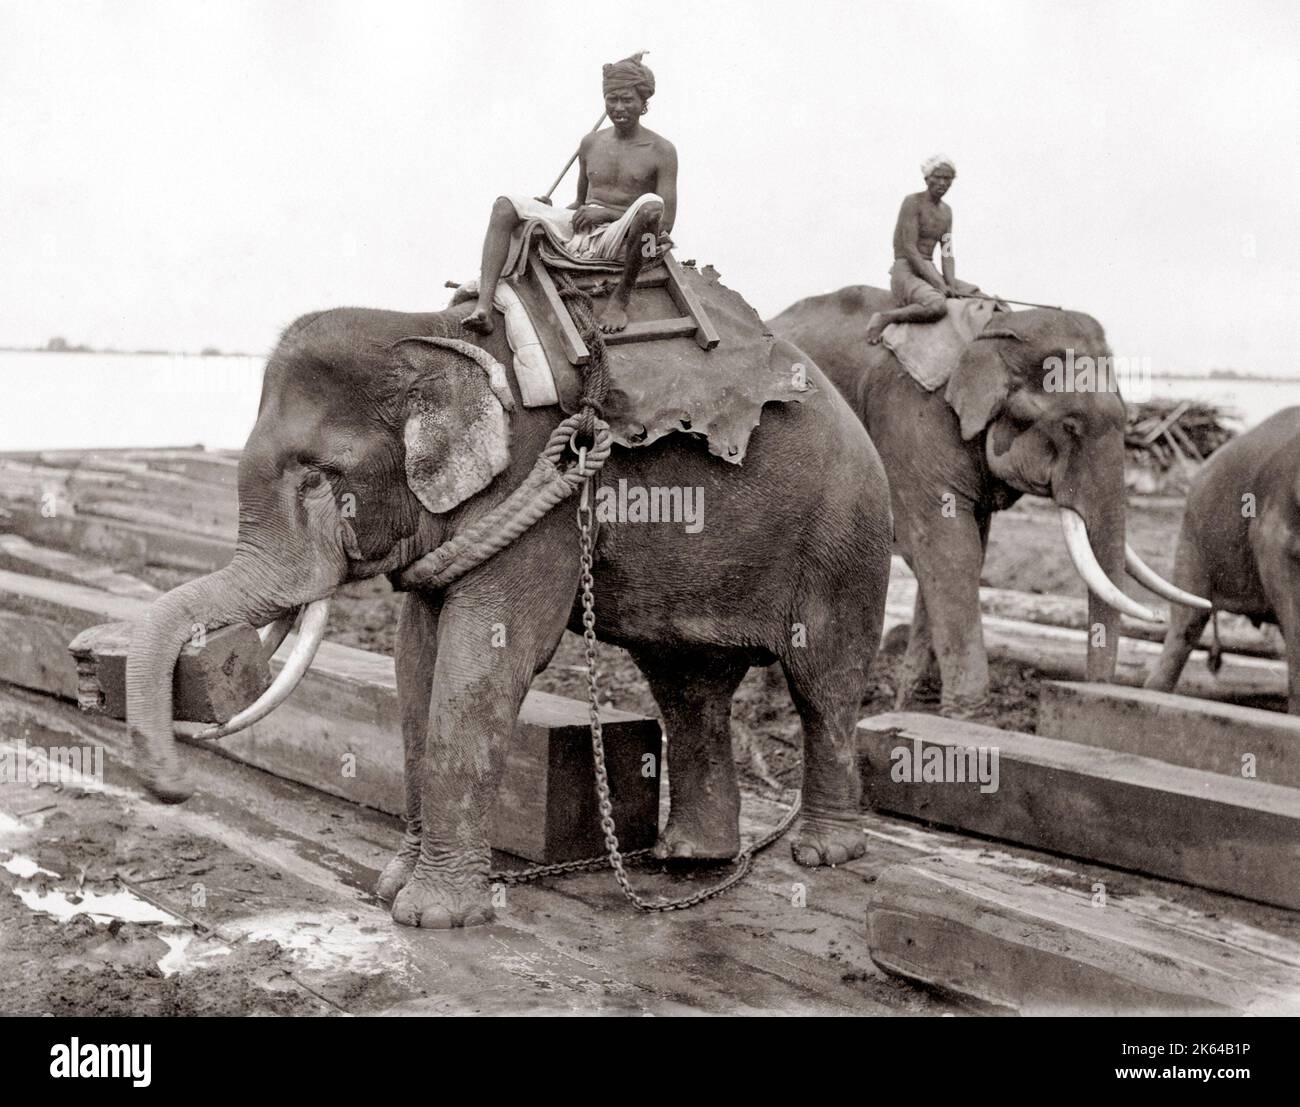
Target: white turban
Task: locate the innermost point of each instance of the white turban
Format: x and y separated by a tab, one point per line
932	163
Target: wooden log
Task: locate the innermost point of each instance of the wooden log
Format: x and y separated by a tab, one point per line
1023	947
1236	633
71	605
217	675
161	516
37	618
1213	737
546	808
340	731
128	546
1129	812
1061	653
20	556
101	539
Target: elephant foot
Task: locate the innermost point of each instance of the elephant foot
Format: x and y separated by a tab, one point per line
971	709
685	841
396	874
824	840
427	902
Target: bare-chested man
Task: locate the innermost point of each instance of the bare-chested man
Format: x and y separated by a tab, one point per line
924	221
627	199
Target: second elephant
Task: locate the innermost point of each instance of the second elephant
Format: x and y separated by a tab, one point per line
956	455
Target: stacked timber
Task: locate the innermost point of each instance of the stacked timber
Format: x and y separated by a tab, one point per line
176	508
1145	782
1163	433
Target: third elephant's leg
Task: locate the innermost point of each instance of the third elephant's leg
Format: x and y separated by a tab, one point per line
1185	623
948	560
417	648
918	673
694	694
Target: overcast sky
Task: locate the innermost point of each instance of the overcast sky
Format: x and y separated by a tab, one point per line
181	174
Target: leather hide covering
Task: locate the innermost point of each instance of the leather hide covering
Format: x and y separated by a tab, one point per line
671	384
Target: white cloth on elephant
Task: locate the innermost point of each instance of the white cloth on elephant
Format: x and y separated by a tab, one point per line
930	351
603	243
532	367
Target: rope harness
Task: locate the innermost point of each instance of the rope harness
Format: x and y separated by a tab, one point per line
541	491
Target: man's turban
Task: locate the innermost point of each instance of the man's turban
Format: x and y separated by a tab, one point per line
932	163
628	73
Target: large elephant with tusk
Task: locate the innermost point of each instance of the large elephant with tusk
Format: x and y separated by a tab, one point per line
376	452
957	454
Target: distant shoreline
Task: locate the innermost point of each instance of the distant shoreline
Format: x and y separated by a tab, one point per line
1225	378
123	353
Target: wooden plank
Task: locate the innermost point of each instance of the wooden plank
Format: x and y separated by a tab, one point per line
568	944
546	799
706	335
127	546
213	679
1213	737
1129	812
1236	633
71	605
340	731
574	347
648	330
20	556
1039	951
1062	653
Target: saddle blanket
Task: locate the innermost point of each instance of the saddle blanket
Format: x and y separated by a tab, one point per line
930	351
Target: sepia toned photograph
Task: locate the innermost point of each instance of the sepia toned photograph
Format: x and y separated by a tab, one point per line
731	509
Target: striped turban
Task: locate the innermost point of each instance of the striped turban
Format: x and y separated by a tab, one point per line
628	73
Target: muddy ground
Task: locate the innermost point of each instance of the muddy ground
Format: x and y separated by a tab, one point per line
60	848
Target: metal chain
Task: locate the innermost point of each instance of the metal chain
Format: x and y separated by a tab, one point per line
614	857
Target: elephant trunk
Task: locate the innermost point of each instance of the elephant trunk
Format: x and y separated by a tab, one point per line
197	607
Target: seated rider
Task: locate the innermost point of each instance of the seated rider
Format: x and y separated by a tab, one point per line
627	199
924	221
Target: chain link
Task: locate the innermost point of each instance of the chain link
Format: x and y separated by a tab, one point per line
614	857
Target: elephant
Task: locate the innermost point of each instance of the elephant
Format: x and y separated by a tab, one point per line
956	455
1240	545
372	448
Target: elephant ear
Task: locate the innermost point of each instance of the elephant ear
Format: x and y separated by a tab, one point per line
457	434
981	383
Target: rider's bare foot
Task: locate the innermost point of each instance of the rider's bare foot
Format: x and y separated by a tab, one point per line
479	321
614	317
875	328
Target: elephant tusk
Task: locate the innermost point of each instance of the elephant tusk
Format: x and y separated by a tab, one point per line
295	668
1094	576
1146	576
274	634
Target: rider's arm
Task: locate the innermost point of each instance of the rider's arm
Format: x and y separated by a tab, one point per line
666	184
